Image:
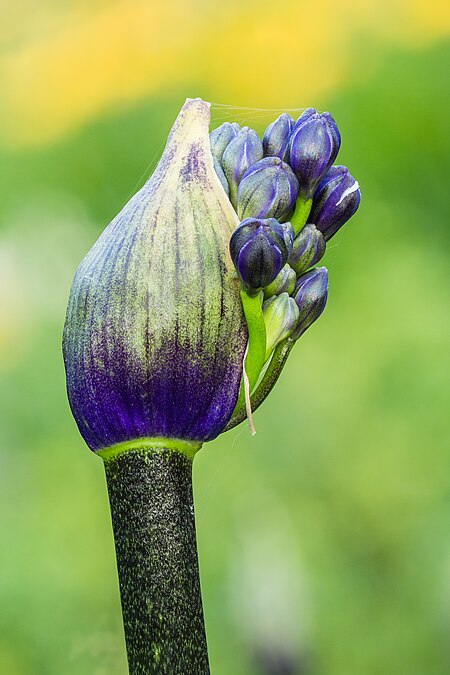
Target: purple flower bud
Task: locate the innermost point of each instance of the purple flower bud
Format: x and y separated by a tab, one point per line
219	139
284	282
240	154
314	145
258	251
306	114
335	201
276	137
332	126
288	234
309	247
310	294
268	189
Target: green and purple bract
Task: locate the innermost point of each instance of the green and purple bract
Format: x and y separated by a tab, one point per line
155	333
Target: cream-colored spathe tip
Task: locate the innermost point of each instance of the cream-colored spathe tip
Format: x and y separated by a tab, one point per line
200	100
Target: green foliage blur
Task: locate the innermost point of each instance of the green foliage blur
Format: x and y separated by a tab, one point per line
323	540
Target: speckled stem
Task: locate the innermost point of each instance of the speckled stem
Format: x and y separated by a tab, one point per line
150	492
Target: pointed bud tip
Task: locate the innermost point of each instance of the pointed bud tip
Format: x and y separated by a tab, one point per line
309	247
190	101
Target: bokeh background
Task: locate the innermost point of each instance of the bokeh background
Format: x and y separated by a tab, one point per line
324	540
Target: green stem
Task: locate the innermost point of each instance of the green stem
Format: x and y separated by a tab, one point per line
150	492
267	383
301	213
256	351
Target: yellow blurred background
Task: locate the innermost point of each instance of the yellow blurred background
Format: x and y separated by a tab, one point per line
323	540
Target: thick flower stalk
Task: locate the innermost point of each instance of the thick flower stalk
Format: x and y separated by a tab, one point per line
180	320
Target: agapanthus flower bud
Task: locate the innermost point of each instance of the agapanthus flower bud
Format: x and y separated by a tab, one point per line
284	282
304	116
240	154
219	139
287	231
309	247
313	147
310	294
335	201
221	176
155	333
258	251
281	315
276	137
268	189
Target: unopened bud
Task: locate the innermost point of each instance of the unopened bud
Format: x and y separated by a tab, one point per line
221	176
309	247
310	294
281	314
268	189
276	137
288	235
313	147
219	139
240	154
284	282
335	201
258	251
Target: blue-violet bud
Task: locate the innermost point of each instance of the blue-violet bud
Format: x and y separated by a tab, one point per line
288	234
268	189
313	147
258	251
281	315
284	282
309	247
310	294
276	137
219	139
239	155
335	201
304	116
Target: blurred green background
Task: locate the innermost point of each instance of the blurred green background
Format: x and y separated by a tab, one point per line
324	540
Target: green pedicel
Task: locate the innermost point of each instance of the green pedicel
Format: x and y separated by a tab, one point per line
301	214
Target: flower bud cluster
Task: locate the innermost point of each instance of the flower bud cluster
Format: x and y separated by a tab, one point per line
159	340
268	182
